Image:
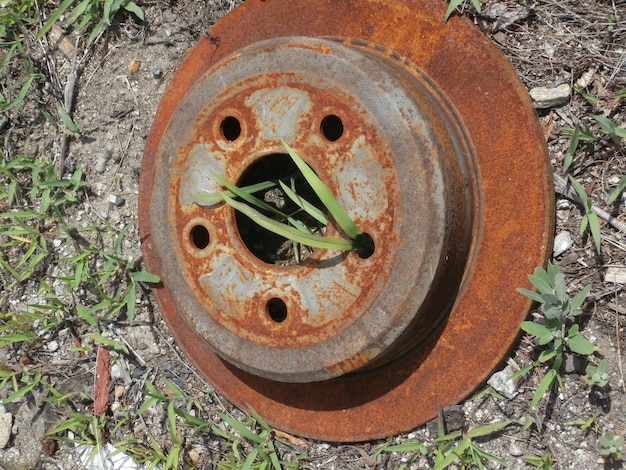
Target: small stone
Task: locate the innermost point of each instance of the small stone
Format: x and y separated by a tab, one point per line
6	425
562	242
501	382
515	450
574	364
101	163
562	204
195	455
157	73
120	390
453	418
544	97
614	180
53	346
116	200
168	17
615	275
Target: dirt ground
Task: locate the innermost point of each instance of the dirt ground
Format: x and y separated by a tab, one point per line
118	87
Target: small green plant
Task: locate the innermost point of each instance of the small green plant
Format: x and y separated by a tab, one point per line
417	449
263	455
584	424
465	452
597	375
608	127
555	331
590	218
617	191
454	4
542	462
295	230
611	446
90	14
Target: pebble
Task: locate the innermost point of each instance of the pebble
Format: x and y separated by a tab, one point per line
157	73
515	450
117	200
53	346
544	97
6	424
562	242
101	163
501	382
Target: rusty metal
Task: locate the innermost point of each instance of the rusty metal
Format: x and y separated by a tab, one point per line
429	140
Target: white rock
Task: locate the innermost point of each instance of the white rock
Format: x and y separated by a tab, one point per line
544	97
116	200
501	382
6	423
515	450
53	346
562	242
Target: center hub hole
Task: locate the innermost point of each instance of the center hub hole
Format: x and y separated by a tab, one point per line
265	245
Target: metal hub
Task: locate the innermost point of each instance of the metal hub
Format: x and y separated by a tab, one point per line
343	347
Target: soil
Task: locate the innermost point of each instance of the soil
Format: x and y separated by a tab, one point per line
118	87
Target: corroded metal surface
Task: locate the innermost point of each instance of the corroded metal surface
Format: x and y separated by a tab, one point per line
480	149
397	166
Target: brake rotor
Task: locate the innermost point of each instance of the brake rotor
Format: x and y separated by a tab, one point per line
428	139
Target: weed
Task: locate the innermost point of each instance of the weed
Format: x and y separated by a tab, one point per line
542	462
555	331
295	230
465	452
91	15
608	127
617	191
590	218
454	4
611	446
597	375
263	454
589	423
417	449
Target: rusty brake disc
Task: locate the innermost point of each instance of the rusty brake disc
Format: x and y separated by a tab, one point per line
427	138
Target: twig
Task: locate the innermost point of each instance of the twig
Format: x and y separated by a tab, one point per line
67	106
564	188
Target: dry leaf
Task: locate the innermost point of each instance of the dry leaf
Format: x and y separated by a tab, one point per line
103	382
293	440
133	66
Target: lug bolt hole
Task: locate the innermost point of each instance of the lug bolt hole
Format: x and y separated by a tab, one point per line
364	245
231	128
199	236
276	309
332	127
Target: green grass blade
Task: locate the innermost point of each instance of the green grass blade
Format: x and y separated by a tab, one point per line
543	387
594	227
488	429
53	18
326	196
305	205
249	198
213	198
287	231
615	194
